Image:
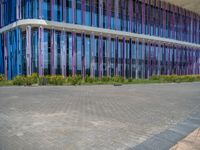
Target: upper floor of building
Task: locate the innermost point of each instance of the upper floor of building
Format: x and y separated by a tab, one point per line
149	17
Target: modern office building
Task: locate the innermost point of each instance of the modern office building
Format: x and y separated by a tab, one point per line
129	38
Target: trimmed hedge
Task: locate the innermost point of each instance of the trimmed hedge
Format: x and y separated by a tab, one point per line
176	78
78	80
74	80
55	80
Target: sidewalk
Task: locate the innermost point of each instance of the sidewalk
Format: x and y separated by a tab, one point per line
191	142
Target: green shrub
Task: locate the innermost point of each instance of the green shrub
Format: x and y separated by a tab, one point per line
89	79
105	79
175	78
42	81
19	80
1	77
74	80
56	80
35	78
29	80
154	77
118	79
130	80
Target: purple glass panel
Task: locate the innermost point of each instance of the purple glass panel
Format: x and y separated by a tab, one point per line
116	14
28	50
130	10
40	9
73	11
83	7
101	13
143	16
91	12
164	20
6	54
123	6
64	10
108	12
52	4
173	21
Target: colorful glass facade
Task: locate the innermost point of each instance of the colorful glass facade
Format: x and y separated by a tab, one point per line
129	38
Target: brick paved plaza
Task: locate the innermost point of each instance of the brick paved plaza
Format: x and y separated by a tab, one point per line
101	117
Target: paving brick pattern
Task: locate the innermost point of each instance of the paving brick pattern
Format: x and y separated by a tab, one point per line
101	117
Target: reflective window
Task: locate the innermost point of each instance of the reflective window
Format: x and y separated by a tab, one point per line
34	44
57	10
46	9
47	51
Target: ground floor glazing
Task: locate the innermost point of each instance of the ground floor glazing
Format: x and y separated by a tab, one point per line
49	51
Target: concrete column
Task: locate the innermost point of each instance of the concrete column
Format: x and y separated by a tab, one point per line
28	50
123	58
92	61
137	61
73	53
193	61
63	56
149	60
177	60
108	55
83	71
52	59
19	51
41	50
9	52
116	56
131	59
143	58
159	58
6	54
100	56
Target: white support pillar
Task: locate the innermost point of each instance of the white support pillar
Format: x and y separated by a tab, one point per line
28	50
63	52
